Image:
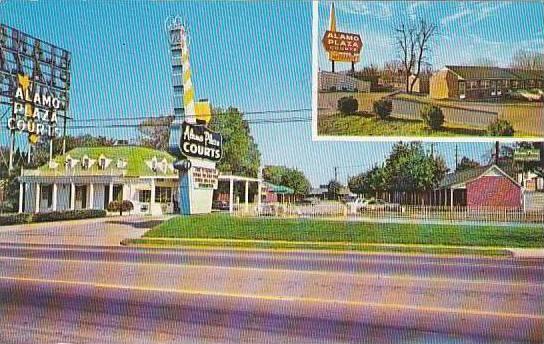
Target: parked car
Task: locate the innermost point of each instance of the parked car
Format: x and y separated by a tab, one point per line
380	204
220	205
309	201
268	210
361	204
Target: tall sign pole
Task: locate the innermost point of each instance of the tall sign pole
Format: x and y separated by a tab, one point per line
197	147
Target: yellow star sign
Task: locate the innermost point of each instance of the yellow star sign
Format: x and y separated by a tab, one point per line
24	81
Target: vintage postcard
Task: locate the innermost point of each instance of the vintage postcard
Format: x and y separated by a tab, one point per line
431	70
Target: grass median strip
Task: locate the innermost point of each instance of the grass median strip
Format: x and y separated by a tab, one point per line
328	246
226	231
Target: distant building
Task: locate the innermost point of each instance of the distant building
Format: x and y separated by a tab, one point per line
422	84
479	82
331	82
486	187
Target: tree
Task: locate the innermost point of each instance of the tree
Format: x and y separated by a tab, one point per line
240	152
410	169
529	60
466	164
370	74
290	177
155	132
333	189
414	43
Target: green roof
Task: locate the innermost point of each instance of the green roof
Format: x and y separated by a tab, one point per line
280	189
135	157
484	72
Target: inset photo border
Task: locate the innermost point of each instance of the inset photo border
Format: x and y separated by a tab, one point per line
466	82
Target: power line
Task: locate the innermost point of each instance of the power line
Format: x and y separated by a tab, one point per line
259	121
135	118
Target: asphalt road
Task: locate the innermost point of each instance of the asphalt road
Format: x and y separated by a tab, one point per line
70	294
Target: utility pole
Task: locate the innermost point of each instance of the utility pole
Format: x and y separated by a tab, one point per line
497	152
336	173
456	156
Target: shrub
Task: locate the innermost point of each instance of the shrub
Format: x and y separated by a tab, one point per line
15	219
68	215
348	105
500	128
433	116
120	206
383	107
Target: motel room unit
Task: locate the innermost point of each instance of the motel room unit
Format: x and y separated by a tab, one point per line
480	82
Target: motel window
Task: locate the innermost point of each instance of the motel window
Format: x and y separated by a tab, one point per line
144	196
515	84
473	84
485	83
163	194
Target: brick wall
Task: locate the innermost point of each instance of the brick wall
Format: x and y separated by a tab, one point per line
494	192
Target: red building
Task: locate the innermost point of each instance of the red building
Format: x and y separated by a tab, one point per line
482	187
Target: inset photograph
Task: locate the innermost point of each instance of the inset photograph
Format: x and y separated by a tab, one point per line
428	70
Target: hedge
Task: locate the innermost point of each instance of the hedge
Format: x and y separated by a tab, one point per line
68	215
17	219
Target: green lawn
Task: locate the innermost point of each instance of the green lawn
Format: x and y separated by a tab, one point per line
367	125
227	227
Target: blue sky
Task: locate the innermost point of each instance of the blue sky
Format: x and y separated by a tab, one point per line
469	31
255	56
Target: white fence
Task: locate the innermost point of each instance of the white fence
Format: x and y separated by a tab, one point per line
417	213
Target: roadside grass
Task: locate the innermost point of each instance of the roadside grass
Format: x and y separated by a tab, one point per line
358	125
335	235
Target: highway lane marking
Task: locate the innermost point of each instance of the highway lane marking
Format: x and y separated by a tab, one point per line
283	298
345	260
174	250
309	272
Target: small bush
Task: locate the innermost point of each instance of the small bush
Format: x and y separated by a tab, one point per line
15	219
500	128
68	215
433	116
348	105
383	108
120	206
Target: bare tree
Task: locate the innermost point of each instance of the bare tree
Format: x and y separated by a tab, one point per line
414	43
529	60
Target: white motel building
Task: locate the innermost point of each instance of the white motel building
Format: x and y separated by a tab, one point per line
90	178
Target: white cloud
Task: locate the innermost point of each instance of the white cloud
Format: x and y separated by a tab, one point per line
474	11
374	9
415	7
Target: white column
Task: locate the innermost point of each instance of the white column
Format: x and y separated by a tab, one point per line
72	196
231	195
38	196
246	196
259	196
54	196
21	195
110	194
152	200
91	196
451	198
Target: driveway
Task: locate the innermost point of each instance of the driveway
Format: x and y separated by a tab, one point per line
107	231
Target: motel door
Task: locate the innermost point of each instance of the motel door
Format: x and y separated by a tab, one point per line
462	90
81	197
